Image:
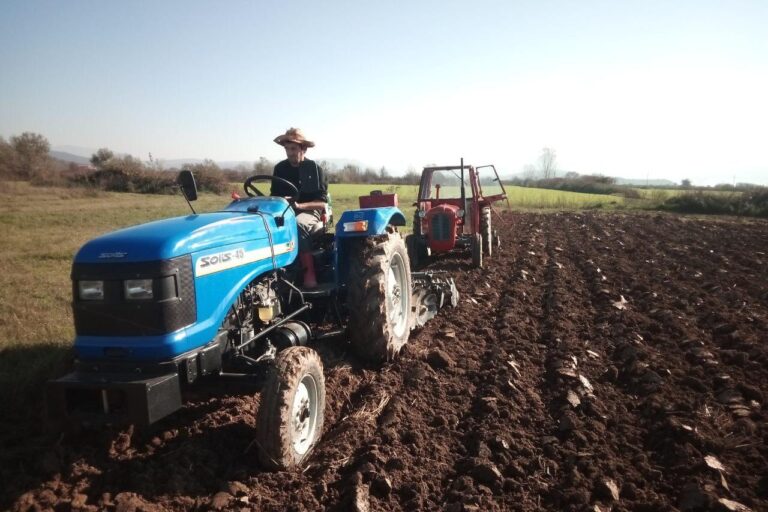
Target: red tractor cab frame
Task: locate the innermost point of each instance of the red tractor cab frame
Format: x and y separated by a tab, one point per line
445	222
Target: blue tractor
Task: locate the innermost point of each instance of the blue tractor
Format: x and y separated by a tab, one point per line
160	306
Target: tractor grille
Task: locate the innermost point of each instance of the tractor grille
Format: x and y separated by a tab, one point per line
441	227
172	307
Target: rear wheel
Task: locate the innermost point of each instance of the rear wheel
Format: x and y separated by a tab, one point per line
477	250
379	297
486	231
290	417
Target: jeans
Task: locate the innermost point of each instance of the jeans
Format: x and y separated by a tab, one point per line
310	226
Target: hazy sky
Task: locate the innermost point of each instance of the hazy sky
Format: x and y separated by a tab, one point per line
658	89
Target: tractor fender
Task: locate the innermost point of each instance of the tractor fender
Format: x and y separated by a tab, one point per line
368	221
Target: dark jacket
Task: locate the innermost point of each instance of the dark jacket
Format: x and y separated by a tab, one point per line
308	177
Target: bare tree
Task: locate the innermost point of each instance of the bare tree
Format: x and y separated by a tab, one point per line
263	166
548	163
411	176
529	172
31	152
154	164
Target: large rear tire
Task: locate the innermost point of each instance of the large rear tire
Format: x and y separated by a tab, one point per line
379	297
290	418
477	250
486	231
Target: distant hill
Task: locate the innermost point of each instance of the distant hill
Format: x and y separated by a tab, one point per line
69	157
80	155
341	162
76	150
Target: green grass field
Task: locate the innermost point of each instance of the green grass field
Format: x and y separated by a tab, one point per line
536	198
43	227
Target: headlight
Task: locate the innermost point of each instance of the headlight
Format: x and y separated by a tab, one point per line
137	289
90	290
422	213
460	213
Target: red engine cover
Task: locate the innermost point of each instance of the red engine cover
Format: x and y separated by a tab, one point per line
441	224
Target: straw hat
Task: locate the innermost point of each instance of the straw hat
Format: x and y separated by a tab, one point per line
296	136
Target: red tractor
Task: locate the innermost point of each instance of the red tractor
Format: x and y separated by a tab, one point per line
453	213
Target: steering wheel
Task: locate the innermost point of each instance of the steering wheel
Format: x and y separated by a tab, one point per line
252	191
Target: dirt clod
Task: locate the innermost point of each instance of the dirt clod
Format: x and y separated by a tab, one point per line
607	489
381	486
486	473
439	359
221	500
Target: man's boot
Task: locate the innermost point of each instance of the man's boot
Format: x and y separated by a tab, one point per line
308	264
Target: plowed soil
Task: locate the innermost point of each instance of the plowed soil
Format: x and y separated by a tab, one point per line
599	362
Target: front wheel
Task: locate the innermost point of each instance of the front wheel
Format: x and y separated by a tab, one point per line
290	417
379	297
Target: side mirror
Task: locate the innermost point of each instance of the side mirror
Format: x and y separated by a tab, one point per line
186	181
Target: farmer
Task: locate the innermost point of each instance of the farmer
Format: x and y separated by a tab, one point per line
312	184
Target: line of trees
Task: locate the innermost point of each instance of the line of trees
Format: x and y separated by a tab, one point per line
27	157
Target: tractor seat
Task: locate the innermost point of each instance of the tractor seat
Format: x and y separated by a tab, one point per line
322	243
321	290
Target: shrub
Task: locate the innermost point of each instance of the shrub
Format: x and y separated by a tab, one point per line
631	193
587	184
208	176
116	179
751	203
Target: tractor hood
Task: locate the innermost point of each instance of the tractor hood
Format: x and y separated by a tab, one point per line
169	238
444	208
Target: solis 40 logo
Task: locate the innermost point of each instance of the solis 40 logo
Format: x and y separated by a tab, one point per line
222	257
